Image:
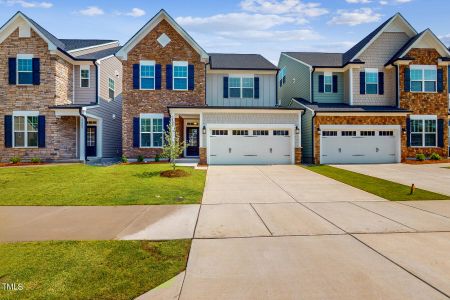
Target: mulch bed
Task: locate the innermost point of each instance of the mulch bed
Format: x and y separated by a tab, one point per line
174	173
427	162
21	164
145	163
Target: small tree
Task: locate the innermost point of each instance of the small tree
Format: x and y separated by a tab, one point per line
173	146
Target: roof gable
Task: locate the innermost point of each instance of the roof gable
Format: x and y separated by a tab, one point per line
427	39
150	25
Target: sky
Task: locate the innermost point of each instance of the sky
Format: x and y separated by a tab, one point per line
267	27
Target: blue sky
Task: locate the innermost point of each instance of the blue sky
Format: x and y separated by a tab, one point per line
241	26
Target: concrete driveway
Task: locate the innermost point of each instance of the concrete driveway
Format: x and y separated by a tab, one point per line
433	177
282	232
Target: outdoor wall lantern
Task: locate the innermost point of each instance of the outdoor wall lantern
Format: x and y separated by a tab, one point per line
297	130
204	129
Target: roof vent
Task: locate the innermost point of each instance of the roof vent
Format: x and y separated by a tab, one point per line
163	40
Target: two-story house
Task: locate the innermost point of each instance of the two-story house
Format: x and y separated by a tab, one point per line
224	105
60	99
382	101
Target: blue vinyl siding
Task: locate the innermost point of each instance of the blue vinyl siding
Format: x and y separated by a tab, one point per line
329	97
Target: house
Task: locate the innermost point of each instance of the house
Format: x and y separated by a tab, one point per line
224	105
60	98
383	101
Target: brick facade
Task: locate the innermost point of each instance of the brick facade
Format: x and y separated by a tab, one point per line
298	156
357	120
426	103
136	102
60	136
203	156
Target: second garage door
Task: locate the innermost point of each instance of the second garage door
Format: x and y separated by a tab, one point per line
250	146
360	145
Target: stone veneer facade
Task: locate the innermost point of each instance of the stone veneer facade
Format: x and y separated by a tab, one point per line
55	88
136	102
426	103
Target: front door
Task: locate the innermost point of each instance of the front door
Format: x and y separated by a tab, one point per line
91	144
192	141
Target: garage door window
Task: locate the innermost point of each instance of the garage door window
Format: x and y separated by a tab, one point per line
386	133
281	132
329	133
260	132
348	133
220	132
367	133
240	132
423	133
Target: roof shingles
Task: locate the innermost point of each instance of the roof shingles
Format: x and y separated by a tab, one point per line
240	62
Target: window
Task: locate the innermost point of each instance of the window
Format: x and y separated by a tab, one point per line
329	133
147	69
282	77
24	69
25	130
260	132
423	132
281	132
111	88
348	133
386	133
371	81
423	78
151	131
220	132
328	82
367	133
241	87
240	132
85	76
180	75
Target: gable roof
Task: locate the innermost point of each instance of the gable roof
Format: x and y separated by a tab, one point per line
100	54
150	25
226	61
75	44
318	59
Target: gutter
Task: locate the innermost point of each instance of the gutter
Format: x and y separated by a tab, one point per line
397	87
85	132
313	137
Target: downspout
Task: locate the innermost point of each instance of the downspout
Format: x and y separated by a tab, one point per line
85	133
312	84
207	64
98	82
313	138
276	88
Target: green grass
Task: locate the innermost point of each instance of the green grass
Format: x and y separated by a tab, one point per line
383	188
88	185
89	270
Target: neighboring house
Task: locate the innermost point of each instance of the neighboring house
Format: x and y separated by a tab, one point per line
382	101
224	105
60	98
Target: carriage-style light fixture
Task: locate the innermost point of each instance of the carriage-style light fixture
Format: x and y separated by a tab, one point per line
204	129
297	130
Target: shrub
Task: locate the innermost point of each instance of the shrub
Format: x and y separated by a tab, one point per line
15	160
435	156
157	157
421	157
36	160
140	158
124	159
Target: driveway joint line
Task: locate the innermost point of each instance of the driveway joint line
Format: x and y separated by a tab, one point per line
267	227
422	209
131	222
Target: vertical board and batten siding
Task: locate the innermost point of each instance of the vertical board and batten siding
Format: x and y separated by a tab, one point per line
329	97
376	56
298	81
85	95
112	127
267	92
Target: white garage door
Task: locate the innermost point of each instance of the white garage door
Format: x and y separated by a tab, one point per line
249	146
356	145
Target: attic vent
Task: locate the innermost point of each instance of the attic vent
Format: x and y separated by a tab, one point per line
163	40
24	31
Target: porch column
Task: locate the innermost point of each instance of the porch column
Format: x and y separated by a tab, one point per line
82	139
202	148
201	131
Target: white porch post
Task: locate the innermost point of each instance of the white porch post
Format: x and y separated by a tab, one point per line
82	139
201	131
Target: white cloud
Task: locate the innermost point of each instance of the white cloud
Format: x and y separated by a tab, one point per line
92	11
136	12
295	8
355	17
28	4
445	39
358	1
394	2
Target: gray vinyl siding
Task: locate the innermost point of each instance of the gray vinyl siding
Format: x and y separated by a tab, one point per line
307	137
298	81
329	97
267	92
85	95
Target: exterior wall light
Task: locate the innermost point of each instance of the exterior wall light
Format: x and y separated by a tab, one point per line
297	130
204	129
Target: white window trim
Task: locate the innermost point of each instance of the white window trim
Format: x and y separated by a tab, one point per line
114	87
151	117
327	74
372	70
23	56
424	118
241	77
85	68
147	63
24	114
423	68
180	64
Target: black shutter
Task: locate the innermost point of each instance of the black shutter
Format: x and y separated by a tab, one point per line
408	132
169	77
256	87
41	131
362	83
440	132
136	132
157	77
8	131
36	71
335	84
12	66
166	123
191	77
440	80
136	75
225	87
321	83
380	83
407	80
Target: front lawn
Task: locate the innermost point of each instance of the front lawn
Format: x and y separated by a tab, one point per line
88	185
89	270
383	188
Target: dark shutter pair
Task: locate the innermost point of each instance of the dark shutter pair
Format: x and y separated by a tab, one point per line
256	87
322	84
137	130
9	131
362	83
440	132
191	77
137	77
158	77
12	71
439	83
